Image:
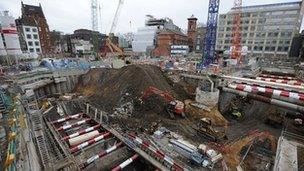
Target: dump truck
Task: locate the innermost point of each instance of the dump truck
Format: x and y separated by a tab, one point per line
206	128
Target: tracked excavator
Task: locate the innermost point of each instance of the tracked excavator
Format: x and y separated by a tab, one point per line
173	107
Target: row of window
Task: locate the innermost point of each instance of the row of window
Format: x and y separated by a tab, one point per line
259	35
33	50
29	30
268	42
29	36
261	48
263	14
30	43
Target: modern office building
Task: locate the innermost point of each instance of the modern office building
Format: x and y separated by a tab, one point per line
267	30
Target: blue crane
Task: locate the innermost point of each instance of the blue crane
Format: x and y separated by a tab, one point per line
210	40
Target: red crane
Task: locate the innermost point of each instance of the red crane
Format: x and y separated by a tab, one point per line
237	31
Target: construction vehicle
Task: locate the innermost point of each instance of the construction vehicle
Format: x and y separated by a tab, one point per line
173	106
206	128
108	44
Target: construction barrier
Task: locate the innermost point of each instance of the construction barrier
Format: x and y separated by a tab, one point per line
67	118
90	142
102	154
66	127
126	163
81	132
289	82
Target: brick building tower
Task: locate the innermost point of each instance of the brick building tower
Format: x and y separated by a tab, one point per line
33	16
192	23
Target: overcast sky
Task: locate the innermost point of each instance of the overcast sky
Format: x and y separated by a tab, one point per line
69	15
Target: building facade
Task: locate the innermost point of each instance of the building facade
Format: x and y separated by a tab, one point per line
166	39
33	16
267	30
31	38
191	33
200	39
146	37
9	43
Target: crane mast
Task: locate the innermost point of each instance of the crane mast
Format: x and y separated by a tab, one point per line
94	15
237	31
209	50
116	16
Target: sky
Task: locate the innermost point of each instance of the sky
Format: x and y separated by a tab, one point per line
69	15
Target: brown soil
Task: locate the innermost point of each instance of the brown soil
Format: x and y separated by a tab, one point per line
197	114
107	87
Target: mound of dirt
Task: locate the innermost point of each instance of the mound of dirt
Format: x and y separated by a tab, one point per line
109	88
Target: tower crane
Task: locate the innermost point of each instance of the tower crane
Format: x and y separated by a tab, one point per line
237	31
109	43
210	40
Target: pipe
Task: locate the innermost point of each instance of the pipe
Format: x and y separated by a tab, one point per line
102	154
66	127
159	154
182	146
279	77
271	84
67	118
265	99
90	142
289	82
274	93
126	163
81	132
85	137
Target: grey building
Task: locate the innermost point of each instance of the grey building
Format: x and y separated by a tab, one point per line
267	30
200	39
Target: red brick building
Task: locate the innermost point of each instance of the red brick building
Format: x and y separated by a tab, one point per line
33	16
192	23
165	39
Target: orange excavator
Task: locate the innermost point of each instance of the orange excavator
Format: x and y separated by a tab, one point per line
173	106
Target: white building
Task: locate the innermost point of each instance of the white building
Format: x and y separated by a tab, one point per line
267	30
144	38
82	46
9	43
31	37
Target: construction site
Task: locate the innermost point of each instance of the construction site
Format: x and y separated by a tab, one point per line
220	109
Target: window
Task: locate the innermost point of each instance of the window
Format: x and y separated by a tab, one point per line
274	42
253	21
280	48
228	29
254	14
30	43
286	49
27	29
31	50
267	48
38	49
251	34
272	48
35	36
287	42
28	36
252	28
36	43
34	30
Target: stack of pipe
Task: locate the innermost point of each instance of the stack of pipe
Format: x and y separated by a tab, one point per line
159	154
67	118
90	142
66	127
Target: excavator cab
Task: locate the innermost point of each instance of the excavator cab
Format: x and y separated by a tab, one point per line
175	107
